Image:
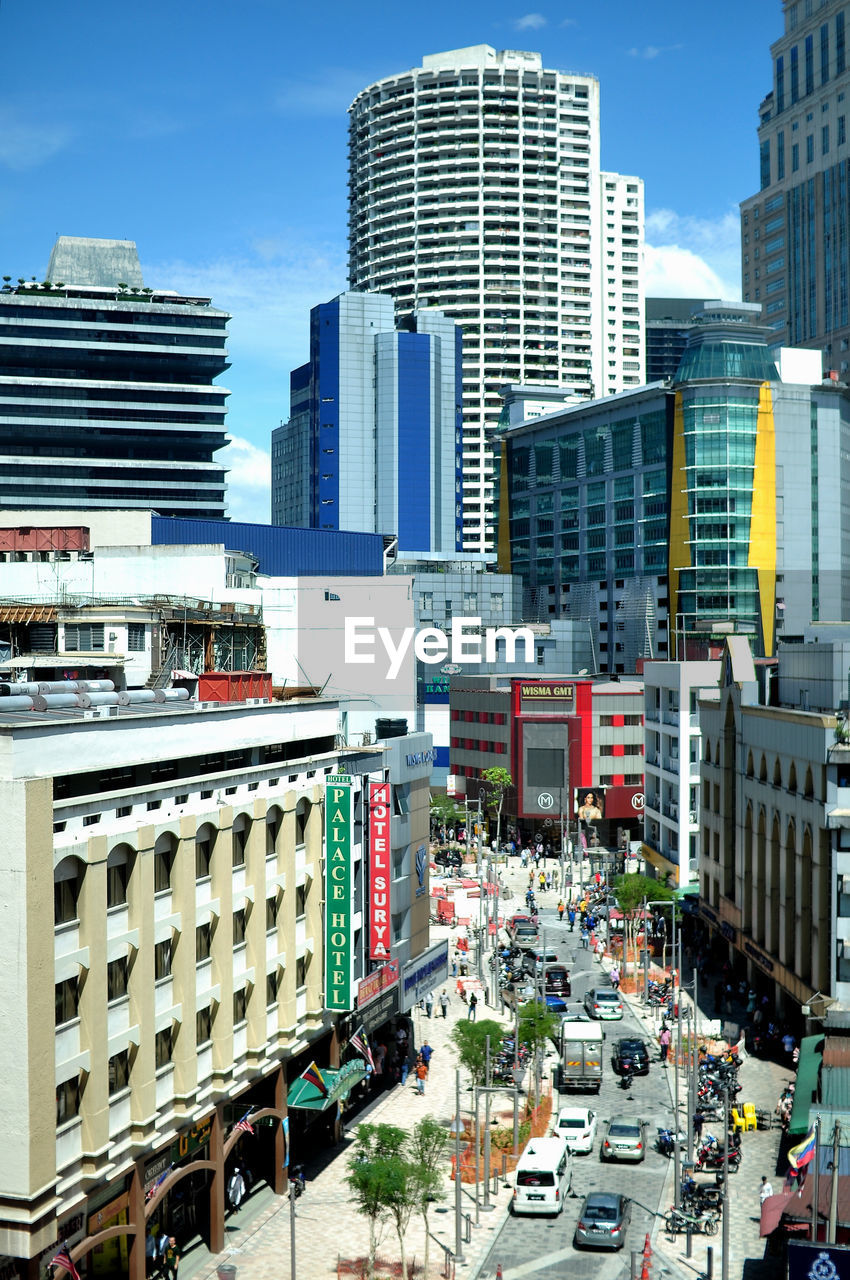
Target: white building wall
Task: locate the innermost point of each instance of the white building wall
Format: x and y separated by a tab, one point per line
621	356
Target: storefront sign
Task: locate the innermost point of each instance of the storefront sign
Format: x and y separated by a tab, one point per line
381	980
414	758
425	973
547	692
810	1261
760	958
380	1010
339	895
379	870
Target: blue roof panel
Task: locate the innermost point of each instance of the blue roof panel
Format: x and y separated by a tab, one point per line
281	552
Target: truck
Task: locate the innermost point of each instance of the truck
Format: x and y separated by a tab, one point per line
580	1056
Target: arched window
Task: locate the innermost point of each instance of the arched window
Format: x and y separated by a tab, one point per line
777	773
164	853
302	816
205	839
119	865
750	769
792	778
67	882
240	832
274	818
809	789
763	770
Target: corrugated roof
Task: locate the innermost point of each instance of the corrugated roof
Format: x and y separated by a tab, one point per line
805	1092
281	552
835	1088
836	1051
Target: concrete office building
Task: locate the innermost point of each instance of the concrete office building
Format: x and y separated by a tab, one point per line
475	186
373	441
107	392
794	242
668	321
672	764
775	841
165	890
686	507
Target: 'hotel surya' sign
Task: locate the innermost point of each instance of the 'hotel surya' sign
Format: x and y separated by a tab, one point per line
379	870
339	892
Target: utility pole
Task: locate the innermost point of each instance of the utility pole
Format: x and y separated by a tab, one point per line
724	1260
676	1151
816	1181
833	1193
458	1186
292	1271
486	1204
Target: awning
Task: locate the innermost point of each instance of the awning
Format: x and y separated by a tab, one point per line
772	1210
26	613
339	1083
806	1084
659	861
687	891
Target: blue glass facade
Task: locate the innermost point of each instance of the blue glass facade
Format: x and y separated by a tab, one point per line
413	474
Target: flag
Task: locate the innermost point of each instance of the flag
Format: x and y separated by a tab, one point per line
63	1259
357	1042
244	1125
314	1076
151	1191
799	1156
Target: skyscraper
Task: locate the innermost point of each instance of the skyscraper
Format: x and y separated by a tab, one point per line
373	440
795	234
475	187
106	388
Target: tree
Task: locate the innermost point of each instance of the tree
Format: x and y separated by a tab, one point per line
536	1027
470	1040
427	1147
497	781
630	891
373	1176
445	811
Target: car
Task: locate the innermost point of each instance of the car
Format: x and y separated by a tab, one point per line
624	1138
604	1003
554	1002
557	980
630	1054
603	1220
447	858
576	1011
525	936
535	960
518	919
578	1126
517	993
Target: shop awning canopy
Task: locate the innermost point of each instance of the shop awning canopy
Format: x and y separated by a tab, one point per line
806	1085
338	1084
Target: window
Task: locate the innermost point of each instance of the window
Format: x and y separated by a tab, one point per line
117	877
301	967
203	854
272	985
300	900
240	1006
842	130
162	960
203	939
135	637
824	140
83	637
241	827
795	156
67	1100
271	914
67	996
116	979
67	882
203	1026
164	1047
238	926
163	861
119	1072
810	148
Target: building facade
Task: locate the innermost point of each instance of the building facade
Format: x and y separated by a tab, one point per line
171	864
373	440
672	764
670	512
475	187
775	844
667	323
107	388
794	242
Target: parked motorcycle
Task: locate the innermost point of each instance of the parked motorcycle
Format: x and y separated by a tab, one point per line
665	1143
684	1220
709	1159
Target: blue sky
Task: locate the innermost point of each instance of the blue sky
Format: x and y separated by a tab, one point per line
214	135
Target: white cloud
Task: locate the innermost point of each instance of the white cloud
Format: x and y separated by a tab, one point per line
691	257
568	22
651	51
24	144
530	22
248	480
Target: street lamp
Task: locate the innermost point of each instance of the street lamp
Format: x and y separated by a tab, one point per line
456	1131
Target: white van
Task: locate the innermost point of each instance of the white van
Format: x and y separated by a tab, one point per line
543	1177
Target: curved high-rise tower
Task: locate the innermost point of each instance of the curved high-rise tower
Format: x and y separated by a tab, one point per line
475	187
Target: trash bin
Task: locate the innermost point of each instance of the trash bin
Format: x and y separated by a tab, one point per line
226	1271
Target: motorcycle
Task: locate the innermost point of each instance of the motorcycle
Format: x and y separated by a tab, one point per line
627	1076
711	1158
701	1199
681	1220
665	1143
297	1181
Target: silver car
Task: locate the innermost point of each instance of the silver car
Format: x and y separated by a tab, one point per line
604	1003
603	1220
624	1138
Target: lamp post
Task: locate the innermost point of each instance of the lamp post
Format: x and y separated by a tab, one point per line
458	1188
724	1260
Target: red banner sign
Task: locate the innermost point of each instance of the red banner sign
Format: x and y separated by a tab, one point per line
372	986
379	870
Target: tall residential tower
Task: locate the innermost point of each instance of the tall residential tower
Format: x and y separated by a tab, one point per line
475	187
795	234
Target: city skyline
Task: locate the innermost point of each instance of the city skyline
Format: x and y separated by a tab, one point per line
224	157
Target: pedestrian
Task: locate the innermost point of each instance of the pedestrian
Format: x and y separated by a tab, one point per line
161	1246
444	1002
615	978
697	1121
751	1003
236	1188
429	1003
150	1252
571	916
599	949
788	1043
454	965
765	1190
425	1054
473	1006
585	938
548	879
170	1259
561	909
421	1073
664	1041
403	1069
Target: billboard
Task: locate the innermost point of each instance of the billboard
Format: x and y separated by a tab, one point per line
339	892
589	805
379	870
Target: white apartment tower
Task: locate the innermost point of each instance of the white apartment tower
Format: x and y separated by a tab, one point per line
475	187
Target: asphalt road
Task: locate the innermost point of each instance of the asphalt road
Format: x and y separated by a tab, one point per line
527	1247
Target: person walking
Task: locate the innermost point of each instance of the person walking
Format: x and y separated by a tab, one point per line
421	1074
170	1259
473	1006
571	916
429	1003
698	1120
426	1053
561	910
765	1190
444	1002
585	938
664	1041
615	978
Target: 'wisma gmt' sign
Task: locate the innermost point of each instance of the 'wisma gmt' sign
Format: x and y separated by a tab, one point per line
339	892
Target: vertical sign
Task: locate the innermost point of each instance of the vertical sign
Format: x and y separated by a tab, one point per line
339	893
379	870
